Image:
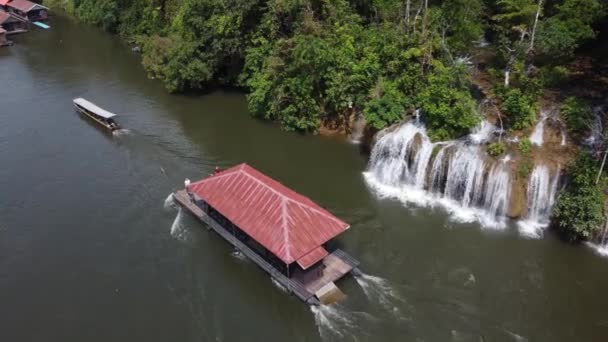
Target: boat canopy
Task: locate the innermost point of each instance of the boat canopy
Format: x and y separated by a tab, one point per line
93	108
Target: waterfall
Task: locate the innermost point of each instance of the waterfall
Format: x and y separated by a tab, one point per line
497	193
537	136
540	199
358	127
397	158
597	128
402	166
438	169
482	132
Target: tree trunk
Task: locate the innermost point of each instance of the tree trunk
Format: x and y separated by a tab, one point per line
407	13
507	72
532	36
599	174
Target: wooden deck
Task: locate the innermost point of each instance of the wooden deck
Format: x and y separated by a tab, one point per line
304	284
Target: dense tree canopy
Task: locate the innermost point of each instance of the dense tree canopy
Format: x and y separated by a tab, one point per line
579	209
305	61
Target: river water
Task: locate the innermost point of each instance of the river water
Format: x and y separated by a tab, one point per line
88	253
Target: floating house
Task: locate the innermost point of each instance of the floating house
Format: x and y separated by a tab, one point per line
11	24
3	40
284	233
28	11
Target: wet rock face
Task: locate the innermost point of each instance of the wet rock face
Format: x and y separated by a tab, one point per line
518	206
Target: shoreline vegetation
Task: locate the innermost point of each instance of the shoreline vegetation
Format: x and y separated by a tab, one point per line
314	65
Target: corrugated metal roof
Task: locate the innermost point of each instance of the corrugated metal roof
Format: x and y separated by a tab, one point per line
284	222
312	258
25	5
4	16
94	108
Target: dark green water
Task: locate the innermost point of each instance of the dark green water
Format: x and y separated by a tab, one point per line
87	252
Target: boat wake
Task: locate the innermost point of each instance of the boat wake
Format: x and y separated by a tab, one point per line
180	231
238	255
121	132
169	202
276	283
176	226
379	290
336	323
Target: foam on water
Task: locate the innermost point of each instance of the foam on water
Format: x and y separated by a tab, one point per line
541	193
176	226
121	132
600	249
240	256
458	178
278	285
334	322
169	202
380	290
410	195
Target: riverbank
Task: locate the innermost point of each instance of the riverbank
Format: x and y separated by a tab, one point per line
71	193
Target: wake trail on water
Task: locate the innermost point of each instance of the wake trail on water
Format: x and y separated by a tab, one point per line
238	255
380	290
121	132
176	225
337	323
169	202
179	230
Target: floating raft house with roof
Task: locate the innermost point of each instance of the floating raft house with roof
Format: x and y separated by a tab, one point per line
283	232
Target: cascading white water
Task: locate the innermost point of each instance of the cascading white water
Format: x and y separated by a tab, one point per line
390	157
465	176
438	169
497	194
597	128
542	189
482	133
402	166
601	247
358	127
537	136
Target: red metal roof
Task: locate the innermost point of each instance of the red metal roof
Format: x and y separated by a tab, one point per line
289	225
23	5
4	16
4	2
313	257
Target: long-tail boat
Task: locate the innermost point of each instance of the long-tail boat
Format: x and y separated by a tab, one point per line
97	114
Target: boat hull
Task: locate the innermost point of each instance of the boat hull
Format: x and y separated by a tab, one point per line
91	116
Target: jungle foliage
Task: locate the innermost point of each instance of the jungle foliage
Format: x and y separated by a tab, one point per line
579	209
305	61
